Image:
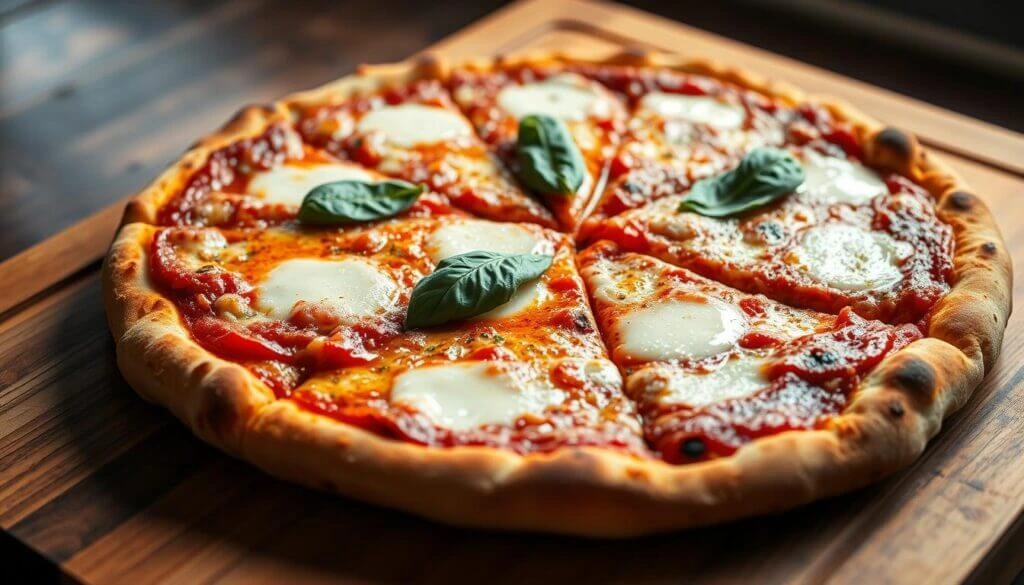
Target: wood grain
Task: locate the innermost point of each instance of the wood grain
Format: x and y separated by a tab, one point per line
112	490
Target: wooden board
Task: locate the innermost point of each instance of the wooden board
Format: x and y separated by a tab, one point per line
110	489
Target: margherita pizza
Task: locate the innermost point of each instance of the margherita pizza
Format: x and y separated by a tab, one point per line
603	296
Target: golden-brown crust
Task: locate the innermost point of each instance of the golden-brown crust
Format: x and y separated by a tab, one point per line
897	409
214	397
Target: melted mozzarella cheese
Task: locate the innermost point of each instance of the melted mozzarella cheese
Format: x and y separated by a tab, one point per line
848	258
698	109
465	395
832	180
600	373
529	294
733	379
350	287
567	97
469	235
289	184
411	124
681	329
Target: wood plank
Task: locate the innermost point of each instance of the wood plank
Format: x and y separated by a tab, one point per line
114	491
77	247
64	409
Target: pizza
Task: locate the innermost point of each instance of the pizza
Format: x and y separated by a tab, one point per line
601	295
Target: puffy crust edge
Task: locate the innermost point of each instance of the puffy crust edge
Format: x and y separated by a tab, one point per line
897	409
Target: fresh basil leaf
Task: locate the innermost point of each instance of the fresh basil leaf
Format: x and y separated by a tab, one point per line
549	161
471	284
345	202
764	175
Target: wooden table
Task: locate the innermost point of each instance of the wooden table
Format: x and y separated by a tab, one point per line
105	488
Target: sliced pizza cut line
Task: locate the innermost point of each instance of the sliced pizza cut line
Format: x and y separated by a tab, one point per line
846	237
414	132
711	368
497	100
683	127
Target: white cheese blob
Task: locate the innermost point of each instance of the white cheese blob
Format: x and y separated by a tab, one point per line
851	259
288	184
697	109
733	379
681	329
351	287
528	295
465	395
411	124
452	239
567	97
830	180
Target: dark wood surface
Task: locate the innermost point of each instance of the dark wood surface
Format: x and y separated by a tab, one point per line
105	488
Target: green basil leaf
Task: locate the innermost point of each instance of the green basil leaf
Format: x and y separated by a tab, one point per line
549	161
764	175
471	284
345	202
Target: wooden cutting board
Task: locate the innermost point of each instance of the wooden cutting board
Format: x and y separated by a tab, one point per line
106	488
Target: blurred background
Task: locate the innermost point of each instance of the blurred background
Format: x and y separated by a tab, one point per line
87	85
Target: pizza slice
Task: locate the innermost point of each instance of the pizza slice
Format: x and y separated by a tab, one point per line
320	315
712	368
498	98
414	132
261	180
845	237
683	127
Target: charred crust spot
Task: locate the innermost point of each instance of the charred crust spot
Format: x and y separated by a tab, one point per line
329	486
896	409
220	413
896	141
961	200
989	248
915	376
693	448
